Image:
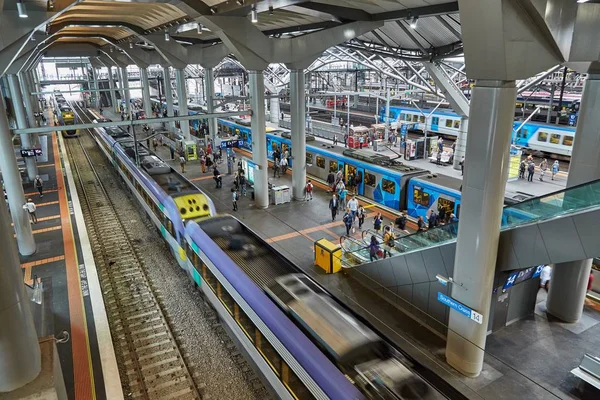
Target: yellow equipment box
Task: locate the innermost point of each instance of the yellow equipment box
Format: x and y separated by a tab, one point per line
328	256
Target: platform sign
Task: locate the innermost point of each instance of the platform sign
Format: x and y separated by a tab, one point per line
461	308
31	152
228	144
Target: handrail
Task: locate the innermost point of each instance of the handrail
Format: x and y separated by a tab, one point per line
542	208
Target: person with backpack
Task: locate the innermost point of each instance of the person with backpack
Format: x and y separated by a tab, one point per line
401	221
555	168
347	218
308	191
377	222
543	168
235	198
522	168
182	163
373	248
530	171
361	216
39	185
389	241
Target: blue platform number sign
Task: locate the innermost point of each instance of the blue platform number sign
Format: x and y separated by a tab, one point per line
461	308
572	119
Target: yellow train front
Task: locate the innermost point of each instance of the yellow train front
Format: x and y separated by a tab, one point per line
66	117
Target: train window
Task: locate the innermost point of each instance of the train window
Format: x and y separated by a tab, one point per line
522	133
169	226
284	147
448	123
209	278
388	186
370	180
420	196
435	121
456	124
309	159
350	169
245	323
274	145
415	117
189	252
294	384
225	298
333	166
268	353
402	117
446	204
320	162
555	138
422	119
542	137
567	140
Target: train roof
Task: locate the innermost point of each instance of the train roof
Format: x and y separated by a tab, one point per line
323	372
444	181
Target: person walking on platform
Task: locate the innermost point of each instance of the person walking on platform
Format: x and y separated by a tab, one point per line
388	241
377	222
39	185
308	191
172	150
242	178
331	181
235	198
154	144
462	167
522	168
555	168
30	207
361	216
543	168
530	171
342	195
335	139
276	173
333	206
182	163
353	207
218	179
361	141
347	221
203	163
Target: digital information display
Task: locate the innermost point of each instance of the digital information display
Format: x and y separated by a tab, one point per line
31	152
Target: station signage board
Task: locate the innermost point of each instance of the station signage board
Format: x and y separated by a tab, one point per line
461	308
228	144
31	152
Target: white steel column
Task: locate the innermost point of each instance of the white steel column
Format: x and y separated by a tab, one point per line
20	117
461	143
492	113
567	296
113	94
274	101
146	92
259	138
298	115
96	95
14	192
182	102
209	77
126	94
35	103
20	362
27	100
168	95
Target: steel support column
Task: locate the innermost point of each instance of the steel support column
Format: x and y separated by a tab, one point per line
30	112
274	105
14	190
21	118
182	102
567	295
113	94
168	95
126	94
298	115
209	74
491	115
146	92
259	139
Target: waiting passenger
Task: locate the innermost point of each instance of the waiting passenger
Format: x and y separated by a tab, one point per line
218	178
377	222
420	224
522	168
543	168
331	181
235	198
361	216
530	171
432	220
401	221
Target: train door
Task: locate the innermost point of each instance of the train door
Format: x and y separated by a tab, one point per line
434	123
360	179
341	167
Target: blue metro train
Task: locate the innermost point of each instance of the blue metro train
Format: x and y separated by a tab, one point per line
287	349
537	136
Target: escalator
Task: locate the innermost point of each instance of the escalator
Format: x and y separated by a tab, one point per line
555	228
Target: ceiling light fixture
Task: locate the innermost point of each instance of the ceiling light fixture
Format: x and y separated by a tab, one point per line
167	37
21	9
199	29
582	1
254	15
413	23
240	2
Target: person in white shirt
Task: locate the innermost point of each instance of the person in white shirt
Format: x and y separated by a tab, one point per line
353	206
31	207
545	277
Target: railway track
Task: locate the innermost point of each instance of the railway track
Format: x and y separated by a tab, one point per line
151	364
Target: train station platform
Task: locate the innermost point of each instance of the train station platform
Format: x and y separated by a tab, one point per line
292	229
72	304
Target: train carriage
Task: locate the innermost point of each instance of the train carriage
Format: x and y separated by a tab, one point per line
426	193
